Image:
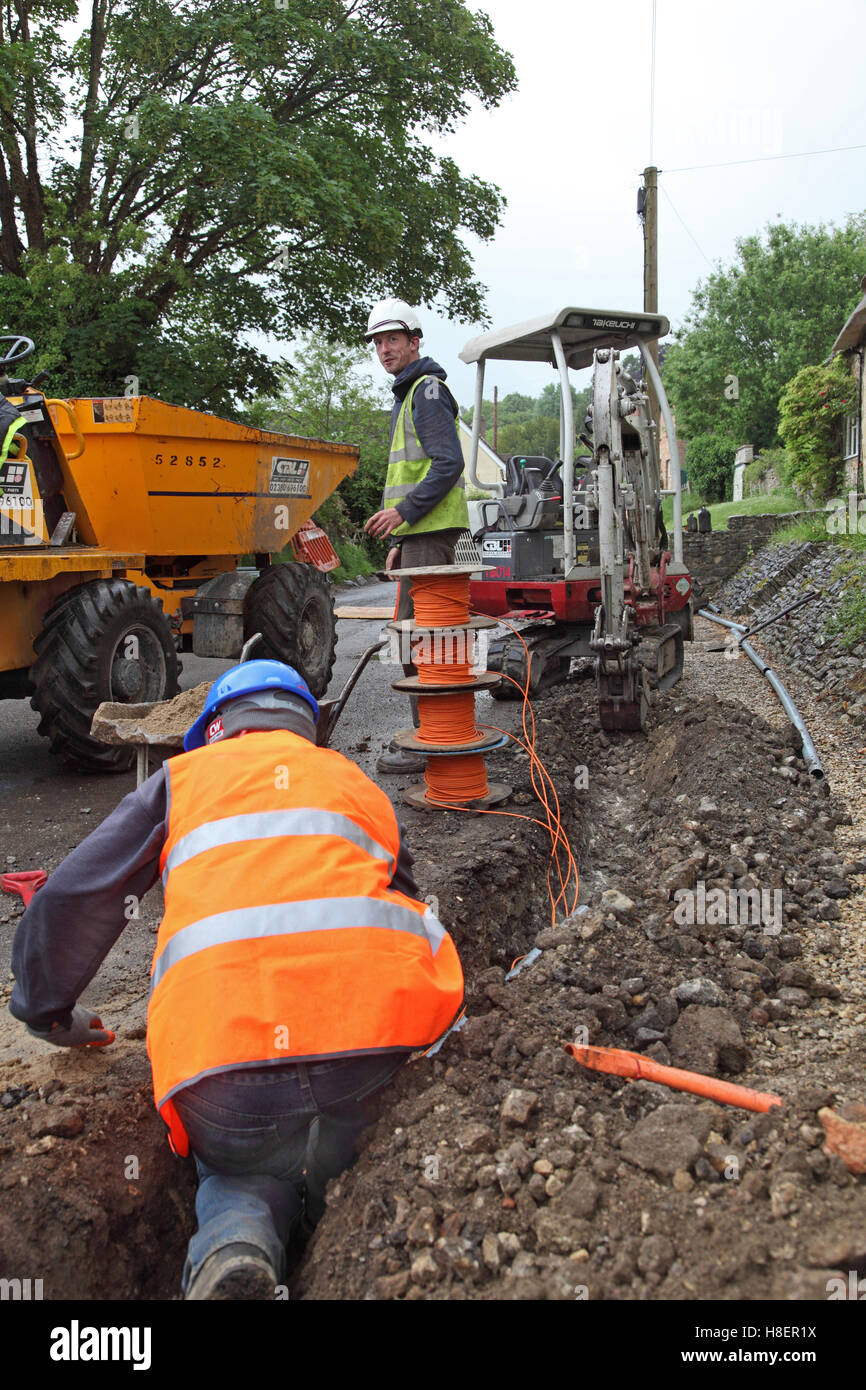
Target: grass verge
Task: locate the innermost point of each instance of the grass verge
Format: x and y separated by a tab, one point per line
769	504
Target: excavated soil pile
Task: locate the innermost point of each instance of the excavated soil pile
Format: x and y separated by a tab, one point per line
93	1203
501	1169
91	1199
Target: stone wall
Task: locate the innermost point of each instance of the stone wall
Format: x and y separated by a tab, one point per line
712	559
768	482
778	576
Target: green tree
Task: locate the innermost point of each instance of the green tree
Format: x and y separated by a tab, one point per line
530	424
711	467
811	413
537	435
191	172
329	395
752	326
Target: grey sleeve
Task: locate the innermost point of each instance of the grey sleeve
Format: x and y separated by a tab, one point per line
434	415
74	920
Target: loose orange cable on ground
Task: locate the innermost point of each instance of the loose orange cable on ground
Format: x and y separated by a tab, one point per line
555	829
615	1062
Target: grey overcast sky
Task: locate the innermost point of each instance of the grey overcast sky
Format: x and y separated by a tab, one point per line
738	80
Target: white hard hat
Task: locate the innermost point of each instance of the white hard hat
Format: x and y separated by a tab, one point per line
393	313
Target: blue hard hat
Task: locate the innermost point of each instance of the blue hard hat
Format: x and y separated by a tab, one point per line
246	679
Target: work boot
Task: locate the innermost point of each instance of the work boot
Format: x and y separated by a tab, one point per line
234	1271
401	760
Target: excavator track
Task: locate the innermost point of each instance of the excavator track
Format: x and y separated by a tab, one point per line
547	667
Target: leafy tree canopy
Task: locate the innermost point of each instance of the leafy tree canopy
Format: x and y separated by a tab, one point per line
328	394
711	467
753	326
530	424
190	172
812	410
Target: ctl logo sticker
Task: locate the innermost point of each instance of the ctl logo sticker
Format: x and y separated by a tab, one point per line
215	730
289	477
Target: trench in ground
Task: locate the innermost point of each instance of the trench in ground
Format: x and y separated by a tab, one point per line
72	1216
107	1213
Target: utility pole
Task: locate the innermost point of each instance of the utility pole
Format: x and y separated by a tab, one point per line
496	419
648	209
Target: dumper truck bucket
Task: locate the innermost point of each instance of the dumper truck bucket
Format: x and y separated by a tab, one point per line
165	480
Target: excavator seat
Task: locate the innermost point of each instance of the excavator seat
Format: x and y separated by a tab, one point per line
525	473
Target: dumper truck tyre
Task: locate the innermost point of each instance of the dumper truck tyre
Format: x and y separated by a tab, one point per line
106	640
292	607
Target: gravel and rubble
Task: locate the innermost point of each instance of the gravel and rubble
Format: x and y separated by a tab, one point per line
503	1170
499	1168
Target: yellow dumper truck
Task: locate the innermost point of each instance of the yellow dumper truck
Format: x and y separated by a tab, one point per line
123	522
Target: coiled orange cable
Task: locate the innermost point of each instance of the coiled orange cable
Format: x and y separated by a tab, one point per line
443	601
444	658
451	780
447	719
455	673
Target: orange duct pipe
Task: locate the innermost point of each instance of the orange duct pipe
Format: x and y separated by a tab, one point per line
636	1067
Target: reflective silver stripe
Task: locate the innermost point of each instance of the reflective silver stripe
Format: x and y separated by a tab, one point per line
411	453
261	825
284	919
434	929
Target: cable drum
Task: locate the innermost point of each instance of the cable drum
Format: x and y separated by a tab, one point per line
449	719
453	781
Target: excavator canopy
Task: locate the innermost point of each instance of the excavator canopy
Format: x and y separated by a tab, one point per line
582	332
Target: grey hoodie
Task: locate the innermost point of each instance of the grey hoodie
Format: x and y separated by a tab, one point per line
434	414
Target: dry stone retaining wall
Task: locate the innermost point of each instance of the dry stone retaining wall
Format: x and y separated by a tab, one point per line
714	558
778	576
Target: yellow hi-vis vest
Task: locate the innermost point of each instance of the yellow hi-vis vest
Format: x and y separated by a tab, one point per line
408	465
281	938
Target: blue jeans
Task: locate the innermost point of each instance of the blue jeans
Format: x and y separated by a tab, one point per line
266	1141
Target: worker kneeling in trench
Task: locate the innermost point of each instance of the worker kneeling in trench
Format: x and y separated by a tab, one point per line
295	967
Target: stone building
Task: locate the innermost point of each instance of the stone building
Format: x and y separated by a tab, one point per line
852	343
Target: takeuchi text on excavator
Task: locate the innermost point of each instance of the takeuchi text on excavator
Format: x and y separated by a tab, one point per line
578	544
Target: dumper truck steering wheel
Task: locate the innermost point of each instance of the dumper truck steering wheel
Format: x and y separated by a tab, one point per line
26	346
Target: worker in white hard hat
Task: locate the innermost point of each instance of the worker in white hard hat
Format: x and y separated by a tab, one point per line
424	501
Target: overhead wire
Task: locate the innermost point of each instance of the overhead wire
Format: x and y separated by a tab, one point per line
762	159
690	233
652	84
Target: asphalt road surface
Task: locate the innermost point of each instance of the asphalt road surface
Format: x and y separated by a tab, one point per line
45	810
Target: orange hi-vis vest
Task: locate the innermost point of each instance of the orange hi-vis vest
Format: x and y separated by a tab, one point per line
281	939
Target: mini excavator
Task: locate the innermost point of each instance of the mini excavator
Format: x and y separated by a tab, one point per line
577	546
